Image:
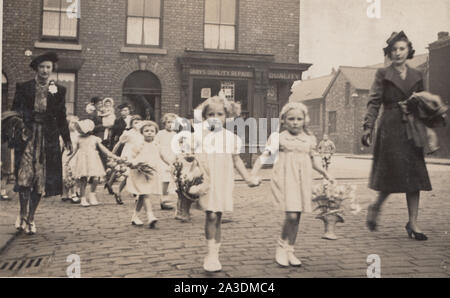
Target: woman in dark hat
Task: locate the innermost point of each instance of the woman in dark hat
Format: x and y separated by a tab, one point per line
38	167
398	165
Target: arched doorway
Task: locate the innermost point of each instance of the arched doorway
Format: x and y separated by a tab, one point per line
142	90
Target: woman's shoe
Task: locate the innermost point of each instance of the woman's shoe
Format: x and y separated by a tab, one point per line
166	206
372	214
75	200
65	199
118	199
417	236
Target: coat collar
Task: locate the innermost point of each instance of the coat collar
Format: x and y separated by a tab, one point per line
412	77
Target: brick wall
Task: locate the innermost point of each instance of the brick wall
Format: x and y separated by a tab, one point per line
345	128
264	27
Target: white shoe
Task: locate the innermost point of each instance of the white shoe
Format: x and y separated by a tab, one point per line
93	199
293	260
281	254
136	221
84	202
152	220
20	224
31	228
211	262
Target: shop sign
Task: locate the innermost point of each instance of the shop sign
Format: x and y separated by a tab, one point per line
290	76
221	73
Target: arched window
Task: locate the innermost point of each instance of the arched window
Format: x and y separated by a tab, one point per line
142	90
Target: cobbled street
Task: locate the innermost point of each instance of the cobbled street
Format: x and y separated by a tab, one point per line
109	246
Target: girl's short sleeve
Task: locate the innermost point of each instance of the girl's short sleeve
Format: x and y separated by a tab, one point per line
313	146
273	143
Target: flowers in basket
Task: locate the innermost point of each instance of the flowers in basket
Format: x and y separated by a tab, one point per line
332	200
190	182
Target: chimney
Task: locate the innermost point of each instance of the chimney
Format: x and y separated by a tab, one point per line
442	35
333	70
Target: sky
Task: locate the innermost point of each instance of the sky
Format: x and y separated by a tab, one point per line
339	32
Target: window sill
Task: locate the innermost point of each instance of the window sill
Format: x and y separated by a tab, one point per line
58	46
137	50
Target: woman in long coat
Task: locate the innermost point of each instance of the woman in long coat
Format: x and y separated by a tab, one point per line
38	166
398	165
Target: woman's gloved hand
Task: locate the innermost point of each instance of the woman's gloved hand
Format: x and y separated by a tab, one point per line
366	138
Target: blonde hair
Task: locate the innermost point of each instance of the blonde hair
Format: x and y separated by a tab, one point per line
295	106
148	123
232	109
168	116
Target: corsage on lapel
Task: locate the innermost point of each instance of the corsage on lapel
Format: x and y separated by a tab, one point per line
52	88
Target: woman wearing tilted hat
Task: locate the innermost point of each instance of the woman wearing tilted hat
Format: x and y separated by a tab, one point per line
398	164
38	167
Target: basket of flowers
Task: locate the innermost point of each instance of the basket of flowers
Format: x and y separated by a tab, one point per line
332	200
190	183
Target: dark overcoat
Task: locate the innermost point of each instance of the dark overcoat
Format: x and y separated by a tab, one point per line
54	125
398	165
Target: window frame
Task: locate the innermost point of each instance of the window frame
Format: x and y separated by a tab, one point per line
160	41
75	93
236	28
58	38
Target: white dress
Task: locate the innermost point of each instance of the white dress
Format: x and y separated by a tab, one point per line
138	183
131	138
217	158
291	181
163	140
87	162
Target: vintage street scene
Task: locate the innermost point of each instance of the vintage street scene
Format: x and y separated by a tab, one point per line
225	139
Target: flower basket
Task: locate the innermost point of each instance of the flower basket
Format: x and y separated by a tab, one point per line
332	200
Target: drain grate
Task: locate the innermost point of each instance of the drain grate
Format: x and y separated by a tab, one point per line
24	265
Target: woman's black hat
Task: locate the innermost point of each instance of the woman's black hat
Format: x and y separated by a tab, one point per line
123	106
95	100
49	56
397	36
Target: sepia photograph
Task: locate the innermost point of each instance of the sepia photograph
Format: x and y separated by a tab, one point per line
225	145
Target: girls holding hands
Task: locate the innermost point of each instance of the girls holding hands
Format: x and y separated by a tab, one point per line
295	158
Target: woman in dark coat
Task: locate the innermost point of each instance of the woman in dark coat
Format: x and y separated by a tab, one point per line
398	165
38	166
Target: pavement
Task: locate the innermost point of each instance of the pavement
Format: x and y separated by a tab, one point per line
109	246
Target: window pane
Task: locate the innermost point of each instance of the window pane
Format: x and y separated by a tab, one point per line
50	23
152	8
68	26
151	31
134	30
135	7
67	80
227	37
212	36
52	4
228	12
212	11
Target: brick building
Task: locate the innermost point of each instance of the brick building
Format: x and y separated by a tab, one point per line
170	54
439	83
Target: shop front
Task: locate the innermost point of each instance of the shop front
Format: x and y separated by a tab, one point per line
257	82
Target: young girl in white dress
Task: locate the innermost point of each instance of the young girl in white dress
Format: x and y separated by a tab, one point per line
69	189
86	160
163	140
219	155
127	141
295	155
141	186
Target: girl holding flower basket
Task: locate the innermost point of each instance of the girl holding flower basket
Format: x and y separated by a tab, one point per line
144	180
294	150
